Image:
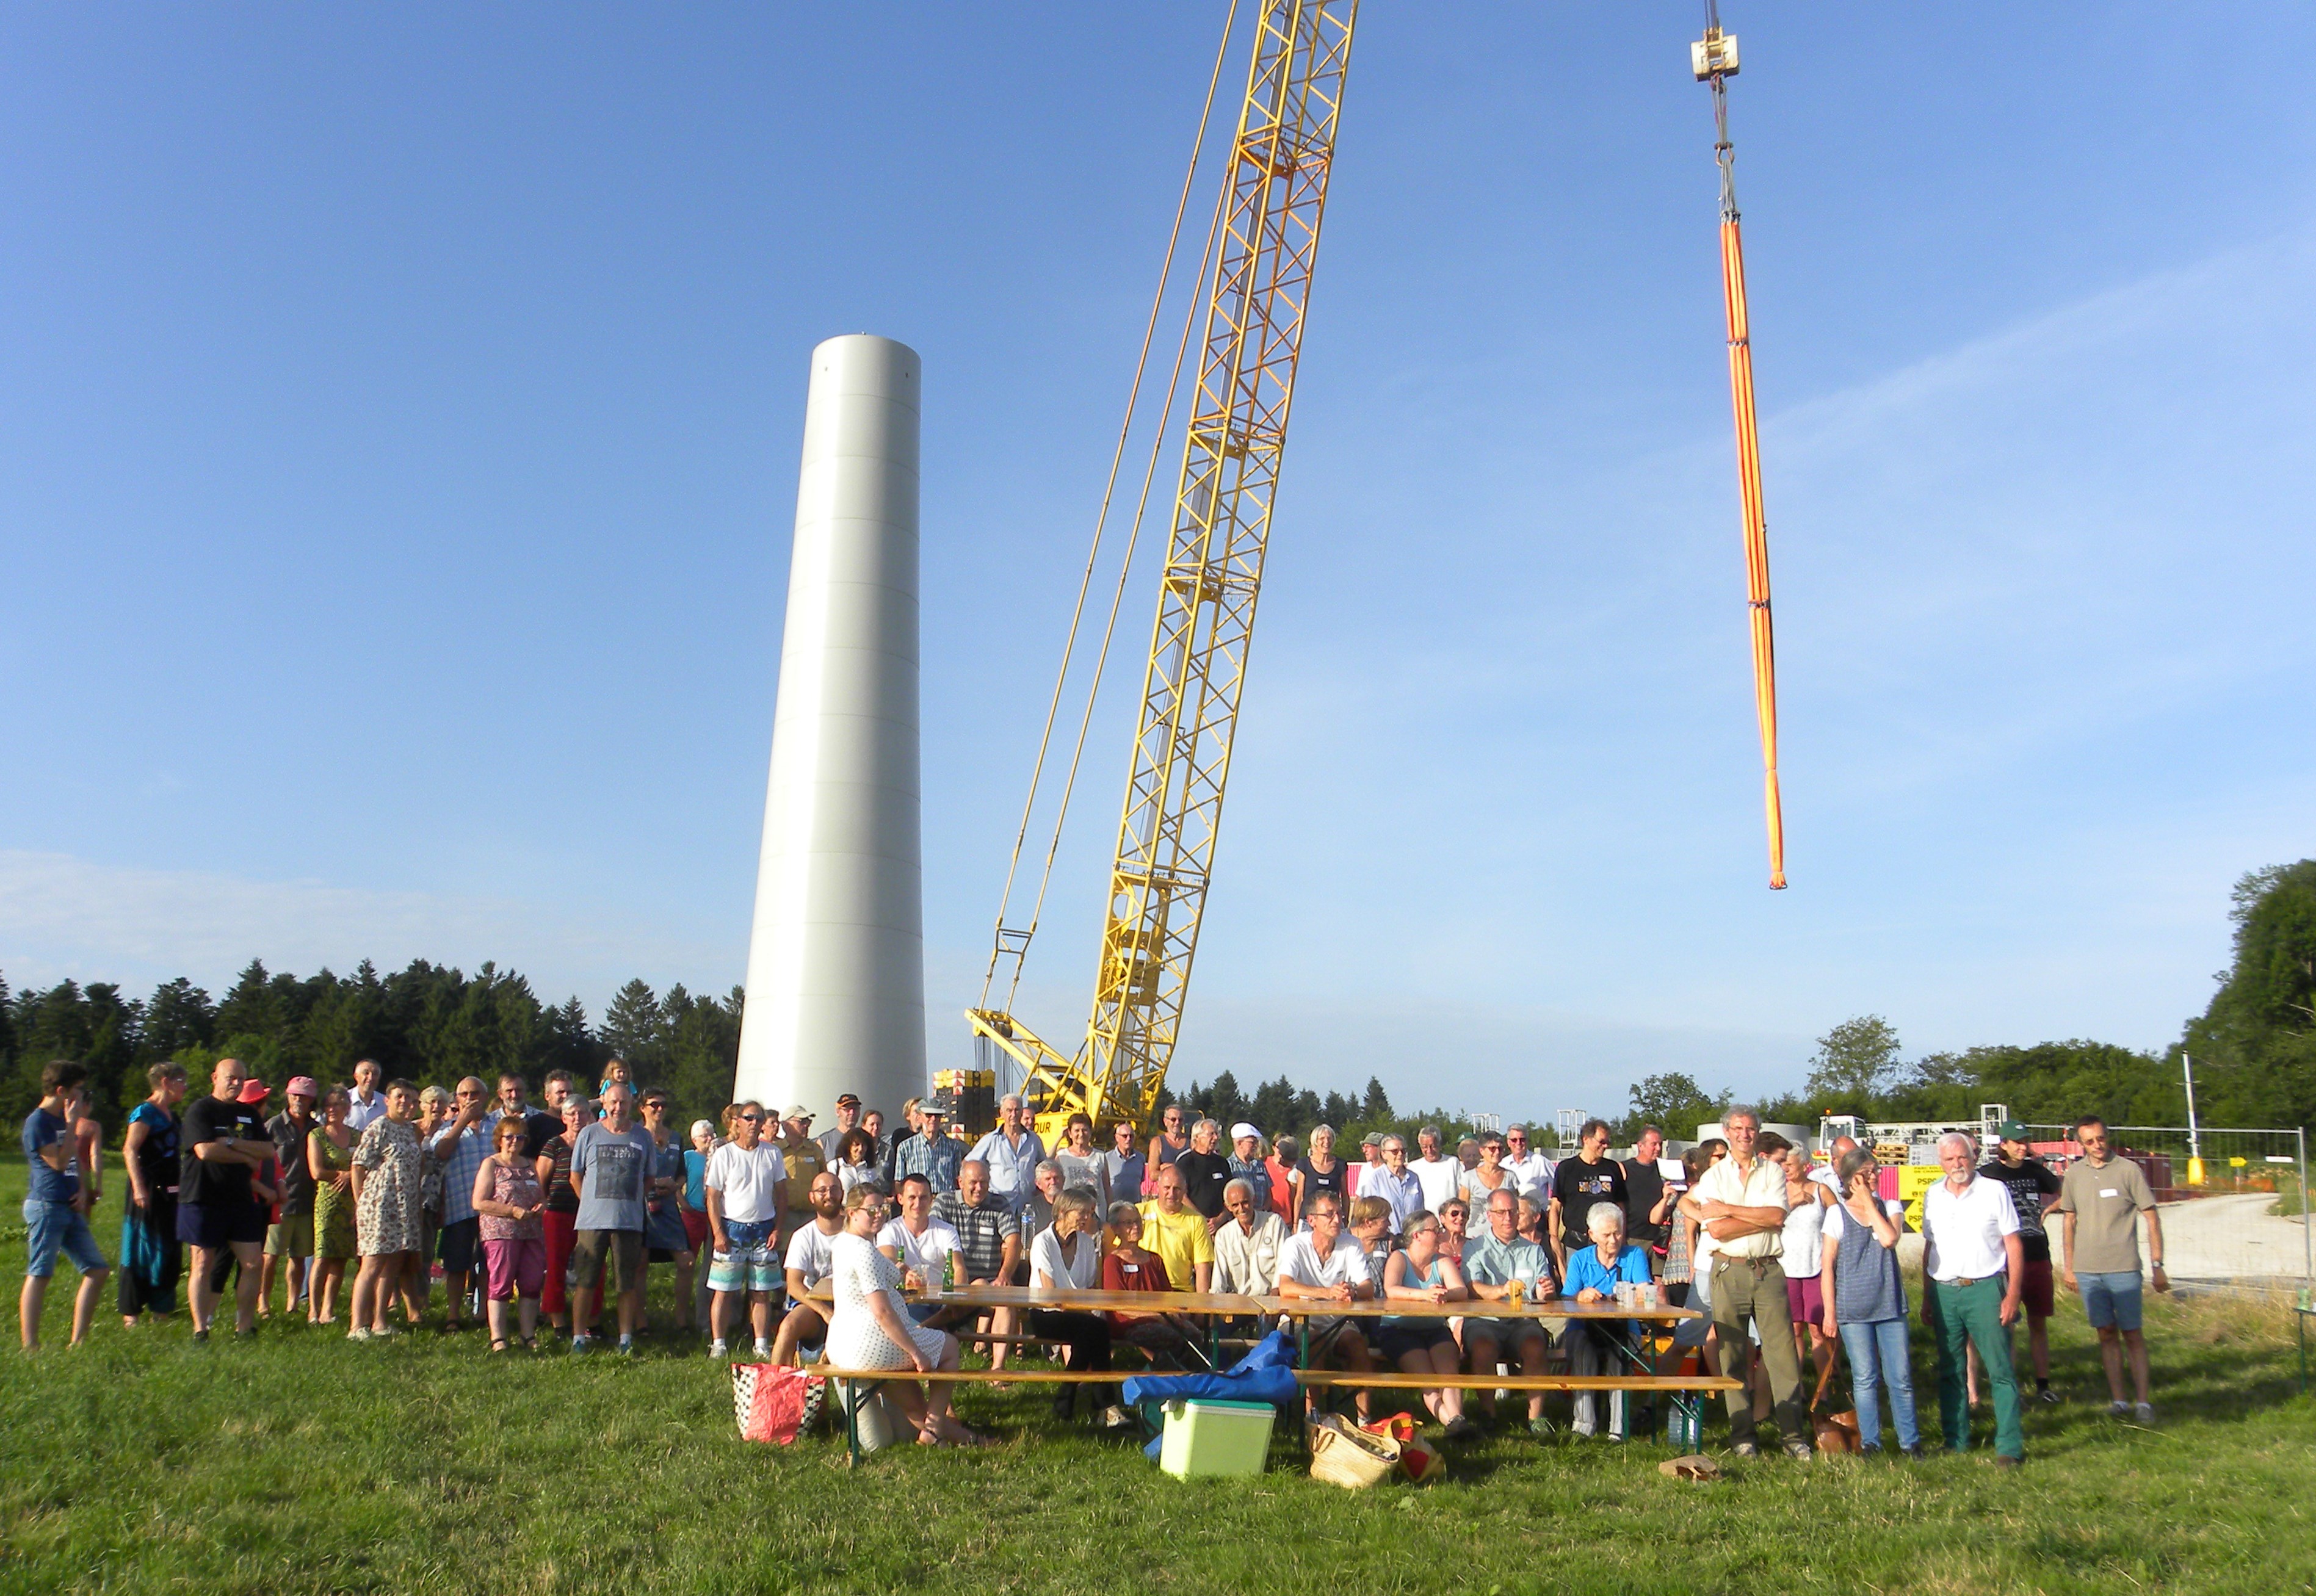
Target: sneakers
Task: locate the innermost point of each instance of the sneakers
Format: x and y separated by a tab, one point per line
358	1334
1461	1429
2144	1412
2046	1396
1541	1428
718	1350
2004	1461
764	1351
626	1346
1744	1449
582	1343
2118	1410
1799	1451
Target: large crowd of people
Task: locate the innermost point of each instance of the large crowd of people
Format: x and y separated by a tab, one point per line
820	1244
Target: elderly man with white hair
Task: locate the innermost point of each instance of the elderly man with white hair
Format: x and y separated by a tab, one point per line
1974	1268
1010	1154
1246	1247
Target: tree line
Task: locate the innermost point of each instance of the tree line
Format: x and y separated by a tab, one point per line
429	1022
2254	1049
2254	1045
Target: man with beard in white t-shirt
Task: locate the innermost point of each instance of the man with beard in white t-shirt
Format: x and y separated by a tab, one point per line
810	1257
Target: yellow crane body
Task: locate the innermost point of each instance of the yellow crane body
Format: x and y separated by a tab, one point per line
1255	305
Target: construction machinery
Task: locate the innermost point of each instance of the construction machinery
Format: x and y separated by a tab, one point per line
1248	316
1252	306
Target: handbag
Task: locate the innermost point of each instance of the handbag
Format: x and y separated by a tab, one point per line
1344	1455
767	1399
1419	1459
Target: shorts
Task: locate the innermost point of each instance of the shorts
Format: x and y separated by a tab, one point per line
623	1249
462	1246
2034	1287
1506	1334
52	1227
1396	1341
752	1263
2111	1301
218	1225
1805	1299
695	1230
291	1237
517	1268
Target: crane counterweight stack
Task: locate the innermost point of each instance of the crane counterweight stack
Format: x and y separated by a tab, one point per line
1253	307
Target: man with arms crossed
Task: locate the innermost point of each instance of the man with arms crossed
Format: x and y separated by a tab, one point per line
2102	1196
224	1145
1741	1203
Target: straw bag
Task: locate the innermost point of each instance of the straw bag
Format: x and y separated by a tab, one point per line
1419	1459
1344	1455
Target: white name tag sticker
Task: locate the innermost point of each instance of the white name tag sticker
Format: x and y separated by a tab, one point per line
2109	1191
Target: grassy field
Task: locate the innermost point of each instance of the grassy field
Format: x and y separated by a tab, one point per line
143	1462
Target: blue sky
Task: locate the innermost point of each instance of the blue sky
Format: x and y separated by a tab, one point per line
397	458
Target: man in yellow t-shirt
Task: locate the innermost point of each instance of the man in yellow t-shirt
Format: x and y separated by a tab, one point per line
801	1155
1178	1234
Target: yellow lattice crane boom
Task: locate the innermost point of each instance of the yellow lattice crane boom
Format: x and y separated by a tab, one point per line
1253	307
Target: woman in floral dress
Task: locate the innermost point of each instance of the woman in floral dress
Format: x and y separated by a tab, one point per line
389	1175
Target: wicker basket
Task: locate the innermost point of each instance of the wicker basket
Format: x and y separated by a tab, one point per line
1344	1455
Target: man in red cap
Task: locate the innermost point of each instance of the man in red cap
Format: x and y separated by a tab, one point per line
290	1236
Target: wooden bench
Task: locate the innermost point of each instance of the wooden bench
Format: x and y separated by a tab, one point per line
1309	1379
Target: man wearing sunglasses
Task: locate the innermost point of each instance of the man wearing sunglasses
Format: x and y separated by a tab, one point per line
1530	1166
746	1185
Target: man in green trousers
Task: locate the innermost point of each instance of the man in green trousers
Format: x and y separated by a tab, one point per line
1973	1265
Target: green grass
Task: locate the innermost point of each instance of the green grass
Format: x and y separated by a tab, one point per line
142	1462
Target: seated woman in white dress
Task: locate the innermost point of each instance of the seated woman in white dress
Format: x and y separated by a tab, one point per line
869	1325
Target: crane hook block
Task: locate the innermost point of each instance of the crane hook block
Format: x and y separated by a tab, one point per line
1716	52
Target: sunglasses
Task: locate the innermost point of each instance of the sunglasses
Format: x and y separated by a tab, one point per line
750	1118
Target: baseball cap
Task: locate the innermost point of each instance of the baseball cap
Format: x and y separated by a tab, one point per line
848	1098
2011	1131
302	1086
797	1112
1243	1129
1374	1139
255	1091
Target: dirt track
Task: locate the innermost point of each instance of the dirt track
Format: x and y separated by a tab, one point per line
2224	1238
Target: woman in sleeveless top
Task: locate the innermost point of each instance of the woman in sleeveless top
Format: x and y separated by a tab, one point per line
869	1325
1866	1302
330	1160
1423	1344
150	1253
511	1205
1321	1172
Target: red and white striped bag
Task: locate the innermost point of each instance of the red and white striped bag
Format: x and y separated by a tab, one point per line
772	1401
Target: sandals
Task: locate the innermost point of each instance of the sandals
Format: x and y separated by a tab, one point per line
500	1343
531	1343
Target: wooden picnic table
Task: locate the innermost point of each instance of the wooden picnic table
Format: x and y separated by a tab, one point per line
1643	1377
1475	1308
